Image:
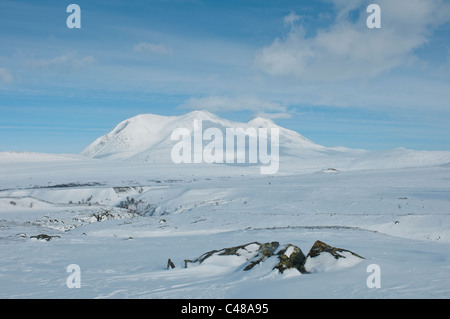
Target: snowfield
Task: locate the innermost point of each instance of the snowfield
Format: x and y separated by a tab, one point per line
121	216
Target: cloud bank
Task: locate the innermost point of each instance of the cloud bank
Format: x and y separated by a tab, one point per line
349	49
242	103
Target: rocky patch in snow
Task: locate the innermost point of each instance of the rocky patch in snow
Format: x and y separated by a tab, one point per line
321	257
329	170
44	237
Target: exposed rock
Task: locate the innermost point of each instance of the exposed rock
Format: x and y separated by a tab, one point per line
290	257
265	251
323	257
222	252
102	216
330	170
44	237
170	264
320	247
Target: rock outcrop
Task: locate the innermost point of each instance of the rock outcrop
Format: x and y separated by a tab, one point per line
321	257
255	253
290	257
44	237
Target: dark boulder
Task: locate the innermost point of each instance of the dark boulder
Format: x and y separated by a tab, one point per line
170	264
44	237
265	251
290	257
222	252
320	247
323	257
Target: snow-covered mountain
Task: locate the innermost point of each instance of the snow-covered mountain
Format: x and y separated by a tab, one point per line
147	137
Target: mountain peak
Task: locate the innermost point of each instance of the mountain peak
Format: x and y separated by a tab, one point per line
262	122
200	114
148	136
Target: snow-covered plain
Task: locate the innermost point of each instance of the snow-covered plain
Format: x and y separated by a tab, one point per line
121	220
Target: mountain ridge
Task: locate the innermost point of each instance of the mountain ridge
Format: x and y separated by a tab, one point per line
147	138
147	133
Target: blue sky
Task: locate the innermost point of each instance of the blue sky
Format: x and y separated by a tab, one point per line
311	66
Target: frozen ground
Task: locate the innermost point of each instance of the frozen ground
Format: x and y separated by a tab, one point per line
397	218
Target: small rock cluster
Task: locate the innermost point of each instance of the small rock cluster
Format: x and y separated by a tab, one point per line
44	237
288	257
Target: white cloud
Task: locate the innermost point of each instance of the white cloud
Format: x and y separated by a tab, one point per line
291	18
159	48
274	116
349	50
5	76
226	104
64	62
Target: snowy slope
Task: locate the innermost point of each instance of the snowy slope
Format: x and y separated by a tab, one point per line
395	218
